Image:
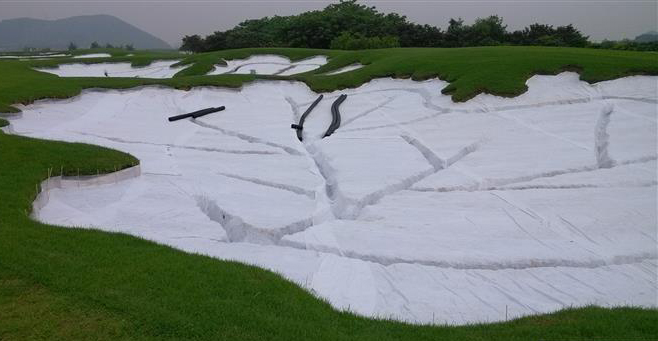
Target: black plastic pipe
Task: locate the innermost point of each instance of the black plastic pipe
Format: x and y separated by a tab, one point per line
335	119
196	114
300	126
207	111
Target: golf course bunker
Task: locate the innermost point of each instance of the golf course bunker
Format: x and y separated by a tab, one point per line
269	65
344	69
417	208
157	69
34	57
93	55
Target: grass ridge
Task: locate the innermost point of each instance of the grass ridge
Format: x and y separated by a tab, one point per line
500	71
123	287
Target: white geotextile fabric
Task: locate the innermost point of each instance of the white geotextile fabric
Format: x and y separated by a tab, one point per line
417	208
157	69
344	69
93	55
34	57
269	65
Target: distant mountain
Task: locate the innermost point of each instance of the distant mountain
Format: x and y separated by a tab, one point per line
647	37
16	34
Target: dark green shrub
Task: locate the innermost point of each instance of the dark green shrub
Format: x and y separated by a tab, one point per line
348	41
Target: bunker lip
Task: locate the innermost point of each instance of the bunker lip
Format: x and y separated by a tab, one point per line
32	57
156	69
340	207
62	182
429	77
92	55
348	68
269	64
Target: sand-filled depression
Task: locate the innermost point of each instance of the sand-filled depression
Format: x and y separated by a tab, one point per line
417	208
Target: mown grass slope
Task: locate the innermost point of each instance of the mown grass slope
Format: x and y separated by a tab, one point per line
59	283
76	283
470	71
496	70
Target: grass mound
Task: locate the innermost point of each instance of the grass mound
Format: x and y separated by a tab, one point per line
499	70
496	70
58	283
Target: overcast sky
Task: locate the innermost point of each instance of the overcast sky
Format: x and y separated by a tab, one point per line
170	20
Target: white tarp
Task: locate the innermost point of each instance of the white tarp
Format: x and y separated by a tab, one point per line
269	65
93	55
157	69
34	57
417	208
344	69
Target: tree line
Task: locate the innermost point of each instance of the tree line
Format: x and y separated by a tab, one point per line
350	25
96	45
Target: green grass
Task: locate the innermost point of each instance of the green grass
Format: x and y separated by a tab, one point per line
136	58
21	84
29	311
59	283
470	71
122	286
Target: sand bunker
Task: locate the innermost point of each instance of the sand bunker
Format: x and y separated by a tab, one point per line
269	65
417	208
35	57
157	69
93	55
344	69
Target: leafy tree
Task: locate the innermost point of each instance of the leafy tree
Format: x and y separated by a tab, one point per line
348	24
570	36
72	46
192	43
94	45
348	41
455	34
109	46
411	35
532	34
215	41
546	35
130	47
486	31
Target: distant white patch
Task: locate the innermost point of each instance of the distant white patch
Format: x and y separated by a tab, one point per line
93	55
157	69
40	56
348	68
416	208
269	65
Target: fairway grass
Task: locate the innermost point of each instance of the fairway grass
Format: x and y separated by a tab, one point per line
470	71
67	284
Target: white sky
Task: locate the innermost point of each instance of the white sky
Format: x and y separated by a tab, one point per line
170	20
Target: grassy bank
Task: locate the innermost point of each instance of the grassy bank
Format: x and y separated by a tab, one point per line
76	283
470	71
59	283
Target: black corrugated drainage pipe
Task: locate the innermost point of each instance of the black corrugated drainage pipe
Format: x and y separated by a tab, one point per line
335	120
196	114
300	126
